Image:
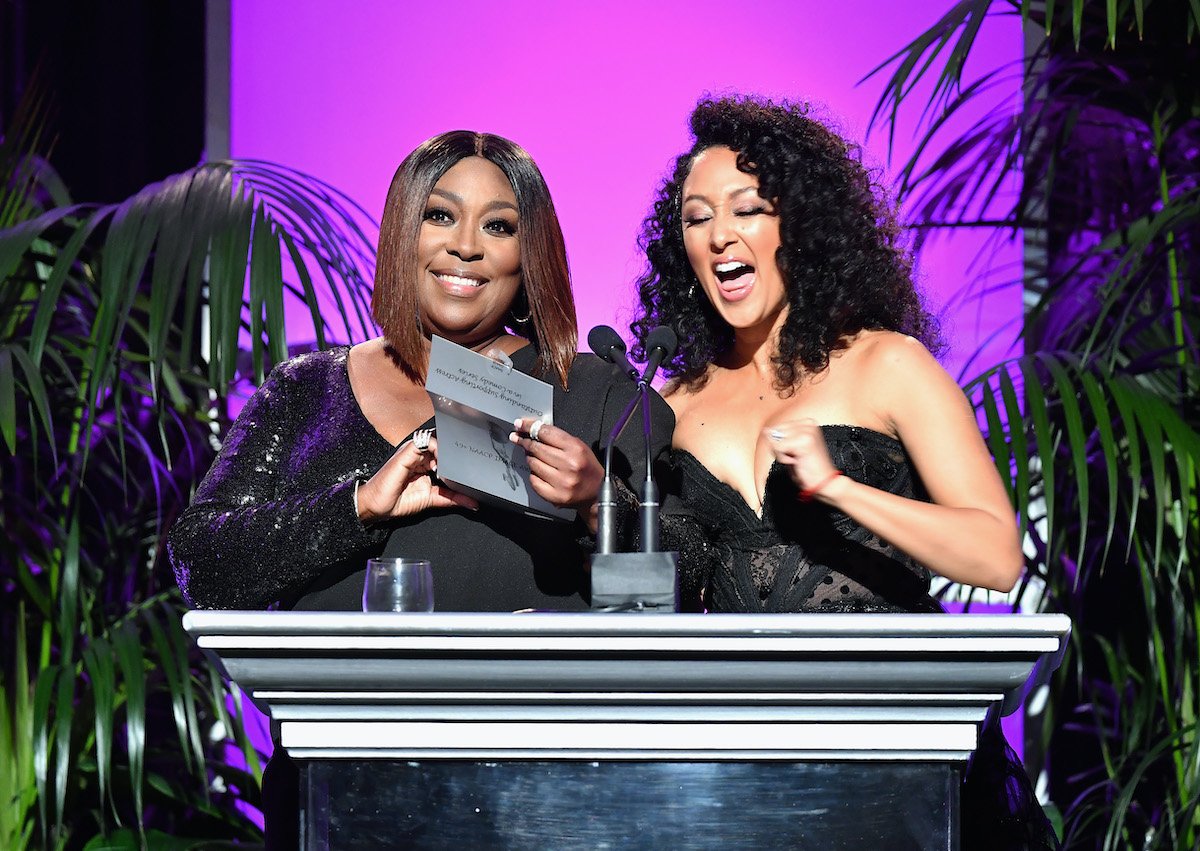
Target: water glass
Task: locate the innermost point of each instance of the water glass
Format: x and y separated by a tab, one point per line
398	585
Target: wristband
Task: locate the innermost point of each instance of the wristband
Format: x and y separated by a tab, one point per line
807	494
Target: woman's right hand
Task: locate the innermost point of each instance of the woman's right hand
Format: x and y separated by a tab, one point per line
403	486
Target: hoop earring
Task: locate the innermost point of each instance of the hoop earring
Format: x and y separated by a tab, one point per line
528	308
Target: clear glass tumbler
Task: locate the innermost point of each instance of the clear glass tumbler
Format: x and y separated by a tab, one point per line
398	585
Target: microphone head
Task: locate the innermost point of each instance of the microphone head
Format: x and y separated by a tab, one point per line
602	340
662	338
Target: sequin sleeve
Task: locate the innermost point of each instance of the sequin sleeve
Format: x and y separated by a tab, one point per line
277	507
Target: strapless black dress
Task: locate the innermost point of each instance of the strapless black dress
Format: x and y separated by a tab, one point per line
804	557
808	557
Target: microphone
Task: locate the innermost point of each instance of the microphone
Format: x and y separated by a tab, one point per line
645	581
660	346
608	345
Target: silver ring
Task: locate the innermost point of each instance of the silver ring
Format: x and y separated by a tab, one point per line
535	430
775	435
421	439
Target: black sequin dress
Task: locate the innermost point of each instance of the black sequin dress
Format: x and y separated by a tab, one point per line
274	521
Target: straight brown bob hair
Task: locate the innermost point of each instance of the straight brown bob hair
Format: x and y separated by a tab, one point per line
545	277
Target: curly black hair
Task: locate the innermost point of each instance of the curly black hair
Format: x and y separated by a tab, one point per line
841	256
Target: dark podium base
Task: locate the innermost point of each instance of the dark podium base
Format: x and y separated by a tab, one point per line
669	805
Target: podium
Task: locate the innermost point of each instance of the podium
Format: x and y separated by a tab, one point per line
589	730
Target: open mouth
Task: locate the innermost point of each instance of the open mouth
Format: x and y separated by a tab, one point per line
731	270
734	278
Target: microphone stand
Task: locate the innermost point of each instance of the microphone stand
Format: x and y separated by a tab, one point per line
649	507
644	581
606	503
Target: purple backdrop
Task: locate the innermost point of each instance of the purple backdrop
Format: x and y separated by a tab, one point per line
599	94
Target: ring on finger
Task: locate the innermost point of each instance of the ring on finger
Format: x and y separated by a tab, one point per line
421	438
535	430
775	435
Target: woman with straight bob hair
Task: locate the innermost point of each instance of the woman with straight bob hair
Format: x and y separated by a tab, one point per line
544	304
333	460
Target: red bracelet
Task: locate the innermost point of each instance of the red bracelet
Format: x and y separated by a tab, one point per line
807	494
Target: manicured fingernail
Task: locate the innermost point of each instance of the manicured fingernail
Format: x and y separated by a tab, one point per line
517	423
513	437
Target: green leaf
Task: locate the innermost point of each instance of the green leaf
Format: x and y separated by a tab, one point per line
1065	390
128	646
155	840
8	400
996	439
1129	425
48	300
98	663
38	397
43	724
64	719
68	589
181	643
175	670
15	241
1159	491
1014	414
1044	438
1109	451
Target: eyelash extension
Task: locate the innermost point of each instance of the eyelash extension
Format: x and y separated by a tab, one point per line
505	225
436	211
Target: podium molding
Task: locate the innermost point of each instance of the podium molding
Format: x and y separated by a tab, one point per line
588	686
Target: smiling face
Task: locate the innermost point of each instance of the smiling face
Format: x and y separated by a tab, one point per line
468	253
731	235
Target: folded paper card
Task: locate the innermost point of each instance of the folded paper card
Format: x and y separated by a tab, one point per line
475	400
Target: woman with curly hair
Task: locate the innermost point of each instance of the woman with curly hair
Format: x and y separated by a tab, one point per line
830	461
825	461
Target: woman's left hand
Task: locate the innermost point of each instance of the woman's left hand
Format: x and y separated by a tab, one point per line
564	469
799	445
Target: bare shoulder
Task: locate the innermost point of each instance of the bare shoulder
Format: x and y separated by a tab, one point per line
890	363
889	351
677	394
903	378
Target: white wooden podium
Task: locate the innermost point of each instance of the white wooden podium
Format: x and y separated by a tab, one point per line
630	730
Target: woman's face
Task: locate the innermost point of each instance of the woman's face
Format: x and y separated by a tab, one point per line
469	253
731	235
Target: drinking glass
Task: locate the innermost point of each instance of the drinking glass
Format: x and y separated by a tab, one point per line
398	585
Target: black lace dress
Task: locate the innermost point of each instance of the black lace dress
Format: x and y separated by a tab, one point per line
800	557
808	557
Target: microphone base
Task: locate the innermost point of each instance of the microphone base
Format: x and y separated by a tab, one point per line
635	582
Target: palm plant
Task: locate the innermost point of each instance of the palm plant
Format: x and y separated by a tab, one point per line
1094	427
120	328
